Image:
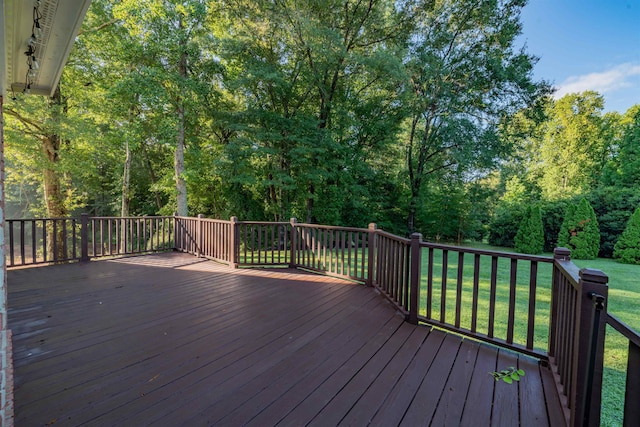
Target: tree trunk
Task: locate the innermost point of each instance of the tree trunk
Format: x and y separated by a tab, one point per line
413	208
53	196
181	185
126	181
152	175
126	197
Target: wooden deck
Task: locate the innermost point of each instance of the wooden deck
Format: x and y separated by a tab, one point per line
171	340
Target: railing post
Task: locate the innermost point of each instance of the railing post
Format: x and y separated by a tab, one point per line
233	242
632	390
559	254
586	393
84	237
372	249
416	264
176	246
199	237
293	237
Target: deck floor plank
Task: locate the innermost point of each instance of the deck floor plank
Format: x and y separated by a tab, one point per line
506	409
531	414
375	396
425	402
170	339
449	410
477	407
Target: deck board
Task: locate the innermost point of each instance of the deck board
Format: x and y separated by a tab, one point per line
170	339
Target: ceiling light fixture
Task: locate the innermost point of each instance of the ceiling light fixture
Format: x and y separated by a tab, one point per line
32	62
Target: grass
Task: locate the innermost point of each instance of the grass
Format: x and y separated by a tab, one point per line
445	310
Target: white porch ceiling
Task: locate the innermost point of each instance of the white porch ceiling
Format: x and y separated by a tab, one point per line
60	23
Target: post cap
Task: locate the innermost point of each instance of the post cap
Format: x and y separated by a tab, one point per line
562	254
593	275
373	226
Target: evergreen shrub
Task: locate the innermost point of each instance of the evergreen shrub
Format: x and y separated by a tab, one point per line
580	231
627	248
530	236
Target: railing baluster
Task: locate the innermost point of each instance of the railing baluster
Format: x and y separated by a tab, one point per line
55	240
11	244
34	229
44	240
459	287
443	285
22	254
512	299
476	288
430	284
533	280
632	389
492	296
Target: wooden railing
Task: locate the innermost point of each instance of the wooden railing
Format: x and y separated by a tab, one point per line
107	236
632	389
466	290
53	240
542	306
338	251
577	332
42	240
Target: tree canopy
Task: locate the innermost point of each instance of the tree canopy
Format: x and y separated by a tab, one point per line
418	115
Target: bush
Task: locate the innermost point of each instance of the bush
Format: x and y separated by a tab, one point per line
613	207
627	248
530	236
504	226
565	229
580	232
552	216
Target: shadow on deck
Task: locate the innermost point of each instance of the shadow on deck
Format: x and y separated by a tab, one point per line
171	339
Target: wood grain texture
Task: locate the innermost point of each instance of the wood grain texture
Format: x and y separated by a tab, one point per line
170	339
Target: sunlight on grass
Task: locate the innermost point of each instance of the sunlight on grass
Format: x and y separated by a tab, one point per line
447	312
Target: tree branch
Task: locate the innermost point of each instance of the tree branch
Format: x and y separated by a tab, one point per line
24	120
99	27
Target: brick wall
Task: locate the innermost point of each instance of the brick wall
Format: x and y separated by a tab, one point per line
6	377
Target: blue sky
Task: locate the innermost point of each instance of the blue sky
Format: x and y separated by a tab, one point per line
587	45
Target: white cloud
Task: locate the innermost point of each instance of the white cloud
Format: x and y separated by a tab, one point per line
604	82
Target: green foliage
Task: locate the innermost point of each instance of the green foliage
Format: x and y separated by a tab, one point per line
552	219
573	147
508	375
623	167
580	232
627	248
530	236
564	235
461	67
613	206
504	226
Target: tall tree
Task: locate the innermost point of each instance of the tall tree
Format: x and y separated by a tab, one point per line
465	78
573	149
319	100
170	34
623	168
